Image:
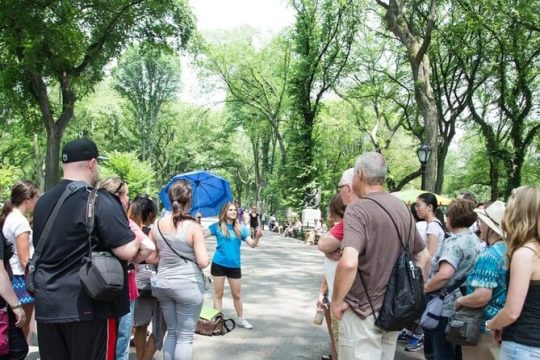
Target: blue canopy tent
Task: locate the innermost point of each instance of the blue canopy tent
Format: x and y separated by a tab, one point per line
210	192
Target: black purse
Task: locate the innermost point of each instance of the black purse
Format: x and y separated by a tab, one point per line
102	274
142	278
464	327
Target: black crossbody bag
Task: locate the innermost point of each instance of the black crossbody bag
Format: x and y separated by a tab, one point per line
102	274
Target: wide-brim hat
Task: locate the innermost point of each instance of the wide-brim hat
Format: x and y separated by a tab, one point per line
492	215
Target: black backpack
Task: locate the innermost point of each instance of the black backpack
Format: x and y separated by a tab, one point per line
404	298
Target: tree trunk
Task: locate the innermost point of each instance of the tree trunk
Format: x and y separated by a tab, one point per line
256	162
38	165
514	168
424	98
275	127
54	130
52	158
306	141
443	152
421	71
494	178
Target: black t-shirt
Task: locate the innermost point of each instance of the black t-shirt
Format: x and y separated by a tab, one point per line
59	295
253	220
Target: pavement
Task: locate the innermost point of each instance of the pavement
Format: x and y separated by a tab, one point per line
280	282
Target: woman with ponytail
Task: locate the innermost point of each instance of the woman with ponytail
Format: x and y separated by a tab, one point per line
427	210
17	231
226	261
179	283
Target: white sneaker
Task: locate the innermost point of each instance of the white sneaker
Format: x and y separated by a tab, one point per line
244	323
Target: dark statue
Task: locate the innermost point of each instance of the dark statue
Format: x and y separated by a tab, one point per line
313	199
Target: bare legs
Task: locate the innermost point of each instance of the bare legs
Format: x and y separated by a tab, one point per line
145	349
235	285
219	284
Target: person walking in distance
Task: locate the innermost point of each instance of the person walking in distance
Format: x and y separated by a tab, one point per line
254	221
226	261
71	325
371	245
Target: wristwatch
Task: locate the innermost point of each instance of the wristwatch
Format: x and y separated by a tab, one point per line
486	325
16	306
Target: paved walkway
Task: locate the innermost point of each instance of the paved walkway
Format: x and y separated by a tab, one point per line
280	282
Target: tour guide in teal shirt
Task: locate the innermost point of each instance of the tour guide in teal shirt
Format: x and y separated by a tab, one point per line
228	246
226	261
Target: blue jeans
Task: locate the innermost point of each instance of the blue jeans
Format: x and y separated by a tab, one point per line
124	334
514	351
181	306
436	343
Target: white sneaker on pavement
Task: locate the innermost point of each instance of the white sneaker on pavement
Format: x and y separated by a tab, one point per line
244	323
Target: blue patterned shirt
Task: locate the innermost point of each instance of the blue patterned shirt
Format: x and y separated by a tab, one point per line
490	272
460	251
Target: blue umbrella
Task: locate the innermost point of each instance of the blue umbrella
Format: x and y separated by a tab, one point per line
210	192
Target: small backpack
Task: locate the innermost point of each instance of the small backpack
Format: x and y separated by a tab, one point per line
212	322
404	297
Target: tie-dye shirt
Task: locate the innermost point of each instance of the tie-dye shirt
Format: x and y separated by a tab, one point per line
490	272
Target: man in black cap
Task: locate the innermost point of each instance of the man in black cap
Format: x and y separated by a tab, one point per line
71	325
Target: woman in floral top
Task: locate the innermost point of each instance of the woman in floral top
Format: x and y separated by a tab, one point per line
449	268
486	284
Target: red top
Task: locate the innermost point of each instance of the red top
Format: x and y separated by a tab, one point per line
337	230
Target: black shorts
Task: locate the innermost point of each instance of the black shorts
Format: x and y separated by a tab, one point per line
85	340
218	270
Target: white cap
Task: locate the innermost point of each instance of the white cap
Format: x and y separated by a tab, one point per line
347	177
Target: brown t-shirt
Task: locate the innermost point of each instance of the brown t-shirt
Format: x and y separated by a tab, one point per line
370	231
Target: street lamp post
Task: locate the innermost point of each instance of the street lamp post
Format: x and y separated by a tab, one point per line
423	152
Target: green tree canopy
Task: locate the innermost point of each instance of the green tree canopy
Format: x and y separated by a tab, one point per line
67	44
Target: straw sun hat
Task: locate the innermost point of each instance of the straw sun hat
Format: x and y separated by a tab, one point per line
492	216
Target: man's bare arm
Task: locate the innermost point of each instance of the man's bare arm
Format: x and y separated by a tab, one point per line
328	243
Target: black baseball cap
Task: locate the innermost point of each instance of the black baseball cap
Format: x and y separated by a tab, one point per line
80	150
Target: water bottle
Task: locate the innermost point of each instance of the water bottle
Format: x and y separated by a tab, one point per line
319	316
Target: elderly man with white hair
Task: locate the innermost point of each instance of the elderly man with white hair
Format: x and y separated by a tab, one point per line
371	246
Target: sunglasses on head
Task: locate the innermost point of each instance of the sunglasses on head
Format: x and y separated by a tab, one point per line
119	187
